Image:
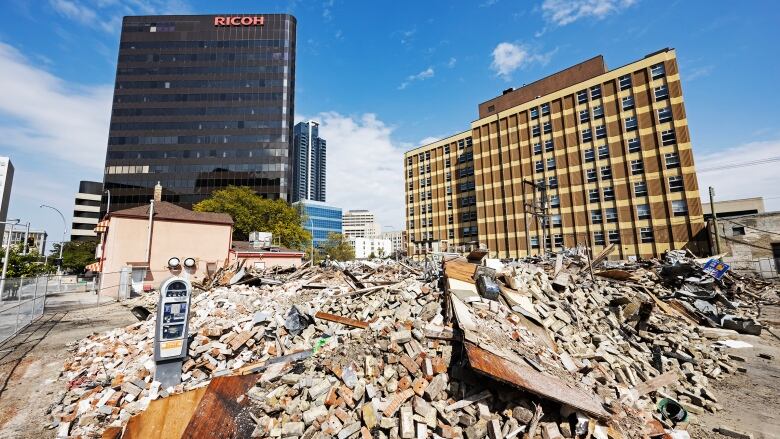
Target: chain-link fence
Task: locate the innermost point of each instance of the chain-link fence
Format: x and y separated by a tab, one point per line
22	300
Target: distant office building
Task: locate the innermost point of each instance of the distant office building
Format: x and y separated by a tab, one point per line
308	162
360	224
6	178
36	239
86	211
201	102
366	248
750	242
396	238
584	157
728	208
320	219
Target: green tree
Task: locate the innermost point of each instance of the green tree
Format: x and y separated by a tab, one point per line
371	255
21	265
251	212
337	248
76	255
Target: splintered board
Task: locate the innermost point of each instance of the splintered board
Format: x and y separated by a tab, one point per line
460	270
222	412
165	418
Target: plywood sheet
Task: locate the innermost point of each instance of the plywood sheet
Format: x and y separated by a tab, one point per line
165	418
222	410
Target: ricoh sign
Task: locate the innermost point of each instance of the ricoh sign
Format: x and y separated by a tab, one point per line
239	21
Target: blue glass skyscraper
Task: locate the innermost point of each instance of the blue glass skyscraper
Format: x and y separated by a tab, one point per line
319	219
308	180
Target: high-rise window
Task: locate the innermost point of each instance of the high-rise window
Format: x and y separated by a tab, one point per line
657	71
601	131
664	114
584	116
552	182
676	184
547	127
634	145
598	238
613	236
668	138
609	193
534	241
628	102
587	136
537	148
598	112
672	160
555	201
643	211
595	216
631	124
545	109
534	113
640	188
548	145
536	131
606	172
679	207
593	195
539	166
603	152
625	82
582	96
590	155
611	214
590	175
595	92
637	167
661	93
550	164
646	235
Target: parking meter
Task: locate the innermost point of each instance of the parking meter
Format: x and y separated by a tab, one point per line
170	336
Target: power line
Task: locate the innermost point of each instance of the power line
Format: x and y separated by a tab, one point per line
742	165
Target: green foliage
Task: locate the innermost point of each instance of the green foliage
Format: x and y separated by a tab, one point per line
76	255
21	265
337	248
371	255
251	212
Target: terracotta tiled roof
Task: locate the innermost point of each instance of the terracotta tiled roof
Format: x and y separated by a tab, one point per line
164	210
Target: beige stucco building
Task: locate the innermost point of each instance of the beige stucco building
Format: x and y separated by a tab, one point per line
262	257
134	242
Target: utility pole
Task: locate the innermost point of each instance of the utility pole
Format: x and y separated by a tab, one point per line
714	220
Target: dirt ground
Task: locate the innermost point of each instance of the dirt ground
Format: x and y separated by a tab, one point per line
31	362
750	400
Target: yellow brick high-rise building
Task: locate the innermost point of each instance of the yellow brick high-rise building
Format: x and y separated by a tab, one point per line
600	156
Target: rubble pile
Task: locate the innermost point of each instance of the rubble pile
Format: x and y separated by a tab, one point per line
374	350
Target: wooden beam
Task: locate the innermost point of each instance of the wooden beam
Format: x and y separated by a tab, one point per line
343	320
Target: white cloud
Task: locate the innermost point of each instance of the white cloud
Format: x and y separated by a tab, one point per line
365	166
742	172
429	139
106	15
508	57
44	115
451	63
563	12
422	76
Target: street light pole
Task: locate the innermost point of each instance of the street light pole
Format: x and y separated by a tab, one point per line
108	204
64	234
7	251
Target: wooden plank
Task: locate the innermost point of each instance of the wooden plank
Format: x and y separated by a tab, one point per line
457	269
343	320
600	257
527	378
654	384
222	410
165	418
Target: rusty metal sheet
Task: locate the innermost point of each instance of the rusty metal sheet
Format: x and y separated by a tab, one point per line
529	379
343	320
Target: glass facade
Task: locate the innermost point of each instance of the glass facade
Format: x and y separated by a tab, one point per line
309	162
199	107
319	219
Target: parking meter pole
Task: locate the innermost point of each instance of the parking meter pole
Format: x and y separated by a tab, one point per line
171	331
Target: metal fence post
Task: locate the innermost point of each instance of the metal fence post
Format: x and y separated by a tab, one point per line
35	297
45	290
18	307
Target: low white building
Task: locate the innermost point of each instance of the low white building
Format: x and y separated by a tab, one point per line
364	247
396	237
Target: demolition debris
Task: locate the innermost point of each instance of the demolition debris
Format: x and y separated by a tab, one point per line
558	347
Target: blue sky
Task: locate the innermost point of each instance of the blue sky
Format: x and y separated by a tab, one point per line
383	77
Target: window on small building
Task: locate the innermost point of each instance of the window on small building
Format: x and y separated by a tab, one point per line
628	103
595	216
613	236
646	235
640	188
643	211
634	145
737	230
637	167
676	184
672	160
491	108
625	82
679	207
658	71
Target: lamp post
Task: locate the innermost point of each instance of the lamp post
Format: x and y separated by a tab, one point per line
108	204
311	222
7	251
64	233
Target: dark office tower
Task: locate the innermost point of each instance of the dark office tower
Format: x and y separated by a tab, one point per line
201	102
308	179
